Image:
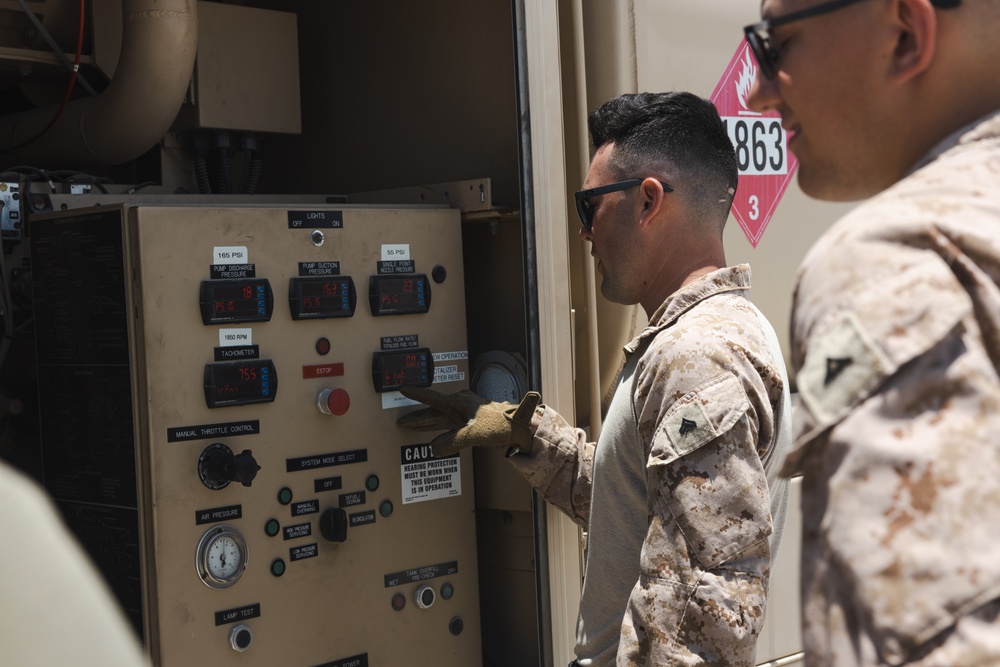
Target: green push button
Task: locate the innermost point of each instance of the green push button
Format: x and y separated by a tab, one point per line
385	509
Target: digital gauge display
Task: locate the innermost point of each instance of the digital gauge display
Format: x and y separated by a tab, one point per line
399	295
240	383
320	297
233	301
412	368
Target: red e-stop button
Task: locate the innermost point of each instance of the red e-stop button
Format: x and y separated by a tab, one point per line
333	401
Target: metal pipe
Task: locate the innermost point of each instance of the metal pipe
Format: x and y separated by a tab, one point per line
611	68
594	388
793	659
159	44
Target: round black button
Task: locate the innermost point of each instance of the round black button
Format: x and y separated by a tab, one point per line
323	346
425	597
455	626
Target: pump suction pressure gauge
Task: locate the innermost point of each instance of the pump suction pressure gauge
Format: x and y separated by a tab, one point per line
221	557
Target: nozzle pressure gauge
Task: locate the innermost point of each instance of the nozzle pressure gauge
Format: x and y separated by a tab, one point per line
221	557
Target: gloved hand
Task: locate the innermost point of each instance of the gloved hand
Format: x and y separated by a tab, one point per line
472	421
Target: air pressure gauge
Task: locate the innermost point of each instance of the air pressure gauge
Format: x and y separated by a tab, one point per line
221	557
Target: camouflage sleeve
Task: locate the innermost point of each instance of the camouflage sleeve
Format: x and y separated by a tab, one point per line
560	467
701	592
898	424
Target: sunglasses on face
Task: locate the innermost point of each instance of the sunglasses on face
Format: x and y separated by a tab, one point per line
758	35
586	210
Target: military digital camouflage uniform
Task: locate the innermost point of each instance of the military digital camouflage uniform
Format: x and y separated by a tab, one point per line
675	495
896	343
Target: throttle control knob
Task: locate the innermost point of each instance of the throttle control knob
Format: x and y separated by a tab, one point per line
218	466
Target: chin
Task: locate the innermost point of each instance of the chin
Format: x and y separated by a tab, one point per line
608	292
827	185
615	296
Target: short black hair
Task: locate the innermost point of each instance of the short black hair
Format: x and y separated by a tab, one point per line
676	129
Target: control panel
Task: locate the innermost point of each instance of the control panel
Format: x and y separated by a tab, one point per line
219	392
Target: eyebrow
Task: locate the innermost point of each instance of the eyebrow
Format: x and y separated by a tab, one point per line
768	15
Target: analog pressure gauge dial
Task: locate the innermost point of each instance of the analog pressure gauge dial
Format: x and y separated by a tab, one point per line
221	557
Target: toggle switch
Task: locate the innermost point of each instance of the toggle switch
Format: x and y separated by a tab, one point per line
333	401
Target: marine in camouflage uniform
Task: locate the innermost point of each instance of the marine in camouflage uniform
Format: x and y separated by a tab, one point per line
679	495
896	344
895	323
675	495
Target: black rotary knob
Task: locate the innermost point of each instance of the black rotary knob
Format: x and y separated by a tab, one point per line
218	466
333	524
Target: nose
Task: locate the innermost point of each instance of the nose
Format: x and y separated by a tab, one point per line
585	233
764	94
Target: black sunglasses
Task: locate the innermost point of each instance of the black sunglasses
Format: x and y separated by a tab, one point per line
758	35
586	210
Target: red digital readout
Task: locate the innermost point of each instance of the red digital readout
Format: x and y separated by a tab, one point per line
392	370
314	295
400	376
231	305
406	288
240	383
396	296
243	300
242	377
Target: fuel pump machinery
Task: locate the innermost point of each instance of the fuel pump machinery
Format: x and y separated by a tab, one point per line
218	396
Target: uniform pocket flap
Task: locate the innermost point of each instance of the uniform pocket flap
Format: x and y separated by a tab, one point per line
698	417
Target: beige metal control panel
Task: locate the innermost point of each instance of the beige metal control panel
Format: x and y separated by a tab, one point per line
281	516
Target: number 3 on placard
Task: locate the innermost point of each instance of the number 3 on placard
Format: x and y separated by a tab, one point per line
754	207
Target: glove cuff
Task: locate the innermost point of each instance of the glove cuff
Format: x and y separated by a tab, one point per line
522	438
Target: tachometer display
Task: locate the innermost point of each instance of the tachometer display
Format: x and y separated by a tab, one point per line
240	383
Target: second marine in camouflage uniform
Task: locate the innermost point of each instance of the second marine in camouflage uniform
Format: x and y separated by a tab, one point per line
897	341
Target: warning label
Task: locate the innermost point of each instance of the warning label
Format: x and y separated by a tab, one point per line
427	478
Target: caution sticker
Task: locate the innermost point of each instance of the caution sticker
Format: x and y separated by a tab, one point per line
427	478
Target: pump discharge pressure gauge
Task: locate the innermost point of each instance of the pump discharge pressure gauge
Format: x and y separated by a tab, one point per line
221	557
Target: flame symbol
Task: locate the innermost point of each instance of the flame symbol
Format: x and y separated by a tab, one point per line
747	77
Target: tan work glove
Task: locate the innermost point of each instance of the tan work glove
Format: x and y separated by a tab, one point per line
471	421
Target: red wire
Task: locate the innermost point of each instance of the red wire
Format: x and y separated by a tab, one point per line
69	88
